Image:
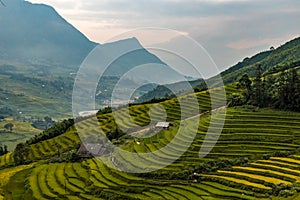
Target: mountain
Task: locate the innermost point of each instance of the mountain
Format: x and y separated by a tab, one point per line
170	90
36	32
129	58
40	53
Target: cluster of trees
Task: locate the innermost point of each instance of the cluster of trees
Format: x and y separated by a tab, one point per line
282	91
284	66
9	127
115	133
104	110
3	150
21	153
276	60
43	124
52	132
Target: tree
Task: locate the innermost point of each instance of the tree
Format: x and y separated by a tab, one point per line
245	83
116	133
258	88
21	153
48	119
9	126
292	90
270	91
236	99
288	91
281	100
5	149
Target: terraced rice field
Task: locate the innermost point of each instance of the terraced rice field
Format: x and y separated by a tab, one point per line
261	174
93	180
46	149
243	136
247	133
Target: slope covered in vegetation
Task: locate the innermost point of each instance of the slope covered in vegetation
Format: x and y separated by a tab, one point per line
250	137
255	157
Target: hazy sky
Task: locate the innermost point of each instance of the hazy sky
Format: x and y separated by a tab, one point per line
229	29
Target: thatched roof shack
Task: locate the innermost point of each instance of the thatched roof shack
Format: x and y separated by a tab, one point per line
89	150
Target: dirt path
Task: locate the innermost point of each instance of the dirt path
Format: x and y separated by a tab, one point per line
199	115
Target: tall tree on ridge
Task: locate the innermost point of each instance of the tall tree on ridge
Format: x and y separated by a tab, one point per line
292	90
245	83
257	97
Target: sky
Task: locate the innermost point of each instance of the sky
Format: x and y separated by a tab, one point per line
229	30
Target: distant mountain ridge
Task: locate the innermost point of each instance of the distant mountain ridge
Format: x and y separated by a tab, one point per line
40	53
36	32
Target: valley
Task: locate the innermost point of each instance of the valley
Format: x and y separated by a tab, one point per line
234	135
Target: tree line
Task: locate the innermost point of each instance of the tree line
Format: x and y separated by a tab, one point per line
3	150
280	91
22	150
52	132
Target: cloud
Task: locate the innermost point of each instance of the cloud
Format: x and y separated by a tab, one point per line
229	29
251	43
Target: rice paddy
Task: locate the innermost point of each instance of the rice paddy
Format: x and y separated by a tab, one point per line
247	133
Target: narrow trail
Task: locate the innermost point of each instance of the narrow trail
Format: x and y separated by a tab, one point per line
147	128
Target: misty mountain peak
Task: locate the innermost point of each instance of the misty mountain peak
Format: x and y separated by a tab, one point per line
36	32
132	42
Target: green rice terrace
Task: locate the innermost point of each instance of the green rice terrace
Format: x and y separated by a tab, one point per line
256	157
193	127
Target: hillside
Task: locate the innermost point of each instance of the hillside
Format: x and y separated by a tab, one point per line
272	61
286	56
256	157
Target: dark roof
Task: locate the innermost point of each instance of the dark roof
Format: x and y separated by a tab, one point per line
91	149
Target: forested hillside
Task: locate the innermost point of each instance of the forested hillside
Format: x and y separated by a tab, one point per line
271	61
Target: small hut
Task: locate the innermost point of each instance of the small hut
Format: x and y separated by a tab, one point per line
163	125
89	150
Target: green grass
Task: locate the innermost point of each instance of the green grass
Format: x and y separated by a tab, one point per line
20	133
246	133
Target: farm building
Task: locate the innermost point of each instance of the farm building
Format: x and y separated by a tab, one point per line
162	125
88	150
